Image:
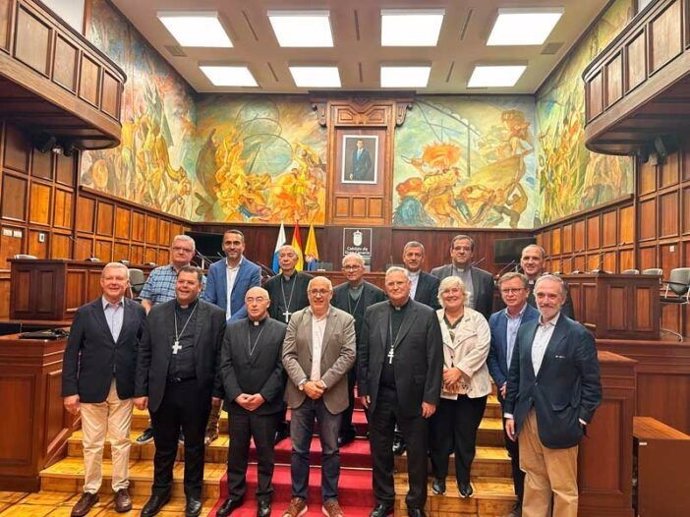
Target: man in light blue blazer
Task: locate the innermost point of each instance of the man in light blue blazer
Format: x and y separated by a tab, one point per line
504	326
226	286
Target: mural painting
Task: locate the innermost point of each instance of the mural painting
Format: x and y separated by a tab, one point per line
466	162
154	164
262	160
571	178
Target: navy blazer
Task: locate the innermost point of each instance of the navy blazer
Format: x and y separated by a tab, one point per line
427	290
216	290
92	357
566	389
482	284
497	361
155	352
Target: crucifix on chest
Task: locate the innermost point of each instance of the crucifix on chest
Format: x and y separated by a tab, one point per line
176	347
391	355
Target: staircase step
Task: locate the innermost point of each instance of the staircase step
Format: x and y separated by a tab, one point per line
248	509
488	462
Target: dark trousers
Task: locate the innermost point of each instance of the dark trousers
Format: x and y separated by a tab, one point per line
301	431
454	429
185	405
514	452
244	426
346	427
415	432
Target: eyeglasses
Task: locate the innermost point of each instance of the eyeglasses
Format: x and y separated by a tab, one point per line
185	250
513	290
354	267
258	299
319	292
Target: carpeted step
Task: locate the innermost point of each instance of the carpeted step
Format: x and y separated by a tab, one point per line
355	455
248	509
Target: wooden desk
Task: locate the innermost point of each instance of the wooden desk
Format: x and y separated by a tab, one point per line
617	306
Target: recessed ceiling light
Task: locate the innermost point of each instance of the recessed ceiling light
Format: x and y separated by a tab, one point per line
405	76
224	75
302	28
495	76
524	26
316	76
195	29
410	27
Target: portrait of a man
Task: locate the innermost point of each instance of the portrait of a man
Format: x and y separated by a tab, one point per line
360	153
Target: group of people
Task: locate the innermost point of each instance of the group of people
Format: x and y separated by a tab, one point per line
420	354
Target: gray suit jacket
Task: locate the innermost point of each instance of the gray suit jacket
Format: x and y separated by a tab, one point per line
337	357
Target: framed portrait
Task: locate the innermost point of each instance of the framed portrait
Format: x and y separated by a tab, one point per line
360	159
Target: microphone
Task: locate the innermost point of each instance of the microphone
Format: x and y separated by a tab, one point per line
204	259
478	262
506	268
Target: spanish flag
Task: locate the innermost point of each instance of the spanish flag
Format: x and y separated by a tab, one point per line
297	244
311	250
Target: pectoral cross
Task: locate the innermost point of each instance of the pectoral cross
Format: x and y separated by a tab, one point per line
287	315
176	347
391	354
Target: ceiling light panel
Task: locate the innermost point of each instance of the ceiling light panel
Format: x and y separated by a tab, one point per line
302	28
495	76
524	26
195	29
316	76
405	76
410	28
224	75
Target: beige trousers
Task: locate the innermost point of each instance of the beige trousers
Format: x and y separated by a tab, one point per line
547	472
113	419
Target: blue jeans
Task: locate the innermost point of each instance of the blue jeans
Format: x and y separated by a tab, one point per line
301	430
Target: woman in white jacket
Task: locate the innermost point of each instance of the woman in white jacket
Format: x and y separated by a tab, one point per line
466	386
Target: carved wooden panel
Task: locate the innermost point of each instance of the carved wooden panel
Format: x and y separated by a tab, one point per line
17	391
647	258
11	243
104	250
626	260
32	40
669	257
86	214
164	237
14	197
5	25
359	207
151	255
123	217
62	217
614	80
66	167
609	261
369	115
668	215
138	222
556	241
110	100
163	256
42	164
137	254
594	261
17	150
376	208
609	223
593	232
665	36
658	396
39	205
595	100
579	263
579	236
151	229
647	219
104	218
637	61
342	206
36	247
686	210
76	279
65	64
647	178
626	229
121	251
60	246
88	80
567	245
616	298
83	248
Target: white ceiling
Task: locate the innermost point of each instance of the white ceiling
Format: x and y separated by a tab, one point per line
357	34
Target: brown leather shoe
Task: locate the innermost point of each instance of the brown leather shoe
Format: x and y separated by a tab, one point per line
123	503
85	503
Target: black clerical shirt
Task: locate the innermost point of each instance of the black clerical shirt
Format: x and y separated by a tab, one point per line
395	322
182	364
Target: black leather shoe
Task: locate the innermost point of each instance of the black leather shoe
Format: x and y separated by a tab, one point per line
154	504
382	510
438	486
398	446
192	508
345	439
415	512
229	506
263	509
466	489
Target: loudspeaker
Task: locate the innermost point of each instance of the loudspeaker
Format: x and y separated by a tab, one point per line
44	142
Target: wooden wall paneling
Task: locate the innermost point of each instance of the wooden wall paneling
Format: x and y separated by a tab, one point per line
83	248
626	225
595	96
86	214
163	256
121	251
665	36
138	226
567	238
5	16
151	229
555	265
647	219
123	218
685	195
579	263
11	243
593	224
579	236
685	153
110	97
626	259
556	241
37	245
610	261
104	218
65	64
42	164
14	197
93	285
151	256
17	150
164	232
60	246
670	256
66	169
62	214
32	41
546	243
609	225
5	294
103	250
669	219
648	258
40	203
646	177
137	254
636	62
614	80
594	261
89	80
669	173
77	281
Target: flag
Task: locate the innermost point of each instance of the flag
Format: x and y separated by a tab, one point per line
297	244
282	240
311	250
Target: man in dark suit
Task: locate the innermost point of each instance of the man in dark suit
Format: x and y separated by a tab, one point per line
177	375
532	265
318	351
353	297
226	286
479	284
400	359
424	286
254	382
553	390
98	371
504	326
362	166
288	292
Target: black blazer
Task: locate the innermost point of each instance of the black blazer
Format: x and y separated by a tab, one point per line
156	349
482	284
427	290
418	358
566	389
91	355
299	296
371	295
262	372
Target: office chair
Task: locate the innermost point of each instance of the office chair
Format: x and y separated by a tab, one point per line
632	271
136	282
25	256
677	292
653	271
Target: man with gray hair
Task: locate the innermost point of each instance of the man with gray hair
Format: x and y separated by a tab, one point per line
98	373
353	297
